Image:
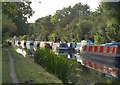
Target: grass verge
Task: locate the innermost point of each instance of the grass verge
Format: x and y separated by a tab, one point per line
27	70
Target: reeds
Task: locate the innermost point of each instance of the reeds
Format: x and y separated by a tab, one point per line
58	65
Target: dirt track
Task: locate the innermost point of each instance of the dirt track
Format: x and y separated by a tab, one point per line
12	70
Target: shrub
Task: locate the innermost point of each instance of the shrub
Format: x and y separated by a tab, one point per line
58	65
6	44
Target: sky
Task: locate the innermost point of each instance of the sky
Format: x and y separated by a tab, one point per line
49	7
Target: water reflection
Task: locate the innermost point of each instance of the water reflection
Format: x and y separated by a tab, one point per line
75	56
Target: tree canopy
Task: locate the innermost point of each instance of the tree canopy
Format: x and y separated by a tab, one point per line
17	12
69	24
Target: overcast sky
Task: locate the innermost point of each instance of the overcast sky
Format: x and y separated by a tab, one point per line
49	7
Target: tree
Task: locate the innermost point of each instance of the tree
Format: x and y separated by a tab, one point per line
72	23
8	27
111	11
18	12
15	10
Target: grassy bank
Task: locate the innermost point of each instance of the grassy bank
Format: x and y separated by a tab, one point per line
5	67
27	70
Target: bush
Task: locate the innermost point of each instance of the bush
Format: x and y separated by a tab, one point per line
6	44
58	65
24	37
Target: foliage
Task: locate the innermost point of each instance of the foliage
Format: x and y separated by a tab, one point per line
8	27
78	22
69	24
109	11
54	37
18	12
24	37
97	39
63	24
56	64
6	44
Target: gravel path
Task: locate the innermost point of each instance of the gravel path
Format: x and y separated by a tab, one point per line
12	70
